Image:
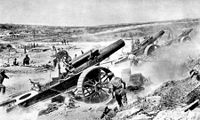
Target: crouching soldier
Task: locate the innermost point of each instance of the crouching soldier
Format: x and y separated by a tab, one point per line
2	77
71	102
15	63
36	85
118	86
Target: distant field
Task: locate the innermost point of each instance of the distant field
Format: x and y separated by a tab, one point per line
29	33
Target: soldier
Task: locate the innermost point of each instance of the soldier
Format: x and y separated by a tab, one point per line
118	86
71	102
64	41
55	61
2	76
68	67
26	60
137	43
15	63
75	56
133	45
133	59
36	85
146	37
24	49
82	52
108	113
195	73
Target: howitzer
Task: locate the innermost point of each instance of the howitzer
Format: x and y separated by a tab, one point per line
147	46
185	33
90	80
184	36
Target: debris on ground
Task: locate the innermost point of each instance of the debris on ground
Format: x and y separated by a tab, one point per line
44	67
51	107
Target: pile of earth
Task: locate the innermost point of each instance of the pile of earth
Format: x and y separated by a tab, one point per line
176	93
170	97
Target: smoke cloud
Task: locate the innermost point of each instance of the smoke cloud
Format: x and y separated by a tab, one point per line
170	62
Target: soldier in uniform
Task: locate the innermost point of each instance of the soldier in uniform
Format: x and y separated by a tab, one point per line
2	77
55	61
26	60
118	86
195	73
108	113
71	102
15	63
70	70
82	52
137	44
36	85
133	59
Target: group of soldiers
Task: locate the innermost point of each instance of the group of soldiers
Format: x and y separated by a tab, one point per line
4	76
26	61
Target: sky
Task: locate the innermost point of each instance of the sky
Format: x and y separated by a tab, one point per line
95	12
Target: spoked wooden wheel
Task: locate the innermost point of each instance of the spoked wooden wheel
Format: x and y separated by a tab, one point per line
94	84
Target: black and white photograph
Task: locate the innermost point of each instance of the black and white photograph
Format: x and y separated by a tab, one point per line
99	60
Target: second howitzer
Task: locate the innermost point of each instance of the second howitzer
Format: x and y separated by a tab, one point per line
147	46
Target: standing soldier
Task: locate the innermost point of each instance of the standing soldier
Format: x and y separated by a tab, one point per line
118	87
132	45
137	44
25	49
75	56
2	76
82	52
65	41
55	61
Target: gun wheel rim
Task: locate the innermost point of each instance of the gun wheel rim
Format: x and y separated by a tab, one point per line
95	85
150	49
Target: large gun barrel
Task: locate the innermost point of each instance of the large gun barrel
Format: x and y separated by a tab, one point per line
186	32
95	56
153	38
109	50
83	58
